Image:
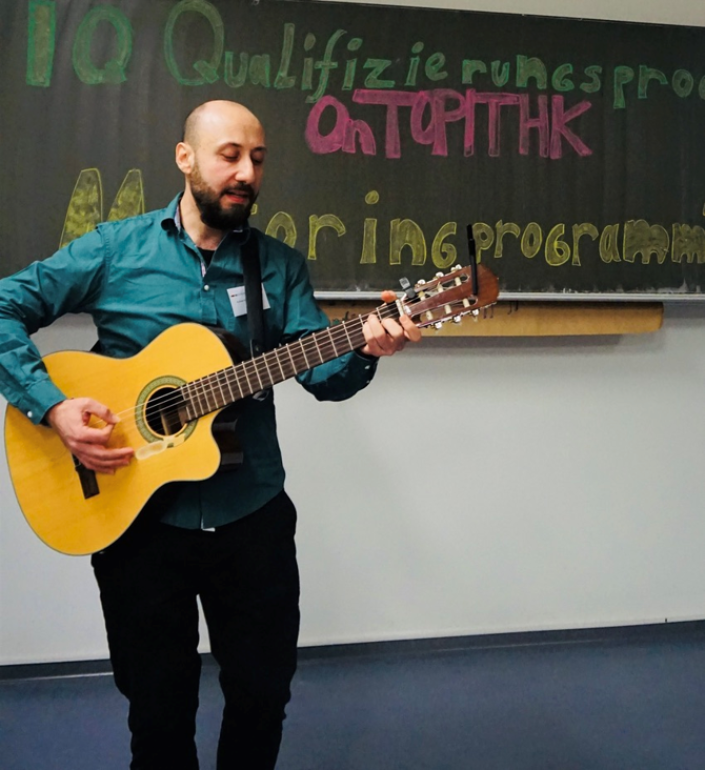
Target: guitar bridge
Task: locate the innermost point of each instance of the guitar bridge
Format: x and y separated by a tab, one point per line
89	482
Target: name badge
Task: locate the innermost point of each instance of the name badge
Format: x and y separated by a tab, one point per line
236	295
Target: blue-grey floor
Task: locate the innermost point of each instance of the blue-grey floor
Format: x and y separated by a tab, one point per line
601	704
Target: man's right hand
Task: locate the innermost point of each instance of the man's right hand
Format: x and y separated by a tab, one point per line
71	418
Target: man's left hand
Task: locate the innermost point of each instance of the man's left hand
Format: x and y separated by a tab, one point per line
388	336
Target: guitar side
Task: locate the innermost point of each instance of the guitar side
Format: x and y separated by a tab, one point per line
75	519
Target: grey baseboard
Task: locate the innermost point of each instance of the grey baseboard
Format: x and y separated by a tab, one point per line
649	633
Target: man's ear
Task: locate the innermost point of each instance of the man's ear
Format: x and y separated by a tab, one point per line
184	157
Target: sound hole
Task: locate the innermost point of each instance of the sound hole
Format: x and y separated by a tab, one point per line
162	412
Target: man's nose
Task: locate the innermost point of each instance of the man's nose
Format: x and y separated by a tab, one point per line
245	171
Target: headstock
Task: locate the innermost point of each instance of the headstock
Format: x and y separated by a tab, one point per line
450	296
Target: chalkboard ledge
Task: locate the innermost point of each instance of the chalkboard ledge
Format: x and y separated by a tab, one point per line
534	319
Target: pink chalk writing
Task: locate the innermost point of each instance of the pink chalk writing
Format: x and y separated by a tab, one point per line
431	112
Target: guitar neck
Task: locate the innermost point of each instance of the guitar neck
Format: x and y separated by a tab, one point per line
234	383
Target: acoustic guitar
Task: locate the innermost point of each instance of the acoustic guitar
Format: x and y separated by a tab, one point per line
167	404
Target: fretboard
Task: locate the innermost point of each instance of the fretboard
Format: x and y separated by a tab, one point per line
229	385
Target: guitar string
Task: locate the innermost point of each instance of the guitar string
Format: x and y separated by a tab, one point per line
244	373
239	376
234	383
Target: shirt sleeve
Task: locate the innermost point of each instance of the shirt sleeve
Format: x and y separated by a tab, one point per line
334	380
32	299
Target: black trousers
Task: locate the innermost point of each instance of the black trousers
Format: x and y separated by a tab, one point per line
246	576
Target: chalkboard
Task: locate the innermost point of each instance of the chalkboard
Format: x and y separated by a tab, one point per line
574	148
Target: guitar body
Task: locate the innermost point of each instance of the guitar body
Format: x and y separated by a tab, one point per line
81	512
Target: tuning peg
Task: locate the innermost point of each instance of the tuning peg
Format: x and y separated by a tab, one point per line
476	313
440	275
409	290
457	319
438	325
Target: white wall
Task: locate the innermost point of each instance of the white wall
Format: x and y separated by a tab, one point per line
491	486
478	485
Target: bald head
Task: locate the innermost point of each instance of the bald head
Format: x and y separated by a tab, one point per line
222	158
213	116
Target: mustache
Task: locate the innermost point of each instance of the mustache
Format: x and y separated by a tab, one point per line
240	189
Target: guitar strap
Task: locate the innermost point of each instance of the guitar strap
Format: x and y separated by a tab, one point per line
225	424
252	271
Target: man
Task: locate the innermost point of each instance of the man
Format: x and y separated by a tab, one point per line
229	539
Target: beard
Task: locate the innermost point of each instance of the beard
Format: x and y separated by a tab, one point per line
213	213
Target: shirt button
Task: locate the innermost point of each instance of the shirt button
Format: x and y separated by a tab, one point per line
30	414
206	288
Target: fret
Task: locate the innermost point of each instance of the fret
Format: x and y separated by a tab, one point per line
358	334
269	373
239	384
345	329
198	392
187	402
250	389
202	397
190	415
291	357
209	390
314	337
223	398
332	341
303	351
235	373
228	379
192	404
279	363
255	366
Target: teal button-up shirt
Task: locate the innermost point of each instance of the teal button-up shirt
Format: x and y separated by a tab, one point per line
139	276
